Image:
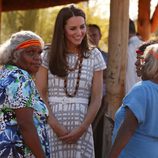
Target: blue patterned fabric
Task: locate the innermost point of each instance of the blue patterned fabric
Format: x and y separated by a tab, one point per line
17	90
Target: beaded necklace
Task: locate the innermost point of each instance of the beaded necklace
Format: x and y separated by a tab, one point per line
75	67
79	65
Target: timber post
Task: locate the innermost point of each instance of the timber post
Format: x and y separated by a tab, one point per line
117	61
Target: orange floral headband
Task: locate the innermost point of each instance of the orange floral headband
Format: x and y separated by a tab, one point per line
28	43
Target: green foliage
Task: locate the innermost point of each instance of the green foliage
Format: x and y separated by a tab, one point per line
41	21
16	21
45	24
94	18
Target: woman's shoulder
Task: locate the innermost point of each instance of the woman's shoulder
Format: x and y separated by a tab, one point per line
142	87
44	57
16	72
150	84
145	84
137	86
95	51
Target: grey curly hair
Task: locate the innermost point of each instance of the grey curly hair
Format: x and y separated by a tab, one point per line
8	48
150	69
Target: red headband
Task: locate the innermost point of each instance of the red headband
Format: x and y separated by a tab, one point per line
28	43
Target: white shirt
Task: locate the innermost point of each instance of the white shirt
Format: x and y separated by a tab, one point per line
131	75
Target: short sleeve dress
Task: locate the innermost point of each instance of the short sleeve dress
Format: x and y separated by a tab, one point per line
70	112
17	90
142	100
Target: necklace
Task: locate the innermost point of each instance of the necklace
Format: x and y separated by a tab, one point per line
79	65
75	67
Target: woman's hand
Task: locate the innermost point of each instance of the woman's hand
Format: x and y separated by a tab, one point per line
59	129
73	136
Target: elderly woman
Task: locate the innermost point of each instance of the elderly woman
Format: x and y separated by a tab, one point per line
135	132
23	115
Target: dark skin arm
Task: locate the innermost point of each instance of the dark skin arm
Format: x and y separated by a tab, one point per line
28	130
125	132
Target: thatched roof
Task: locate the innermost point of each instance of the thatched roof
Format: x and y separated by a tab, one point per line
11	5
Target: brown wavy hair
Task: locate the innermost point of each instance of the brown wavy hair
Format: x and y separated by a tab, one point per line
57	54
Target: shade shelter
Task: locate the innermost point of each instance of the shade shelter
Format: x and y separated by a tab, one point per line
11	5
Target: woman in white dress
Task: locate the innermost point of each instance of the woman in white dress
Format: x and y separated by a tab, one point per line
70	82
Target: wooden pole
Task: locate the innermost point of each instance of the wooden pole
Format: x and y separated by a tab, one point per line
117	61
144	23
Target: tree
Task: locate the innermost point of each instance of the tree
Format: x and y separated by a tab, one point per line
16	21
45	26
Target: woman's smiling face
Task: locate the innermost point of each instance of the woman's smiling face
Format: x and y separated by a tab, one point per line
75	30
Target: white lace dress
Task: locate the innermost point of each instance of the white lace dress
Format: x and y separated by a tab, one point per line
70	112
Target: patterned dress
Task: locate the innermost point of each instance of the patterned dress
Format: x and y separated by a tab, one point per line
71	112
17	90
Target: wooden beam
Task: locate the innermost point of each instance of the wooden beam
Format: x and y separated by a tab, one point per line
154	20
11	5
144	25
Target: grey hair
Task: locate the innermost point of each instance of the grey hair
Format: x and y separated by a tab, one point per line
150	69
8	47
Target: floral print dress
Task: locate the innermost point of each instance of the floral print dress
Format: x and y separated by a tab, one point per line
17	90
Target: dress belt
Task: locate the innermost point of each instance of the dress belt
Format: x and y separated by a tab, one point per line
68	100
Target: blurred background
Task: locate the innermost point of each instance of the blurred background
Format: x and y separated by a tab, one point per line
41	21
